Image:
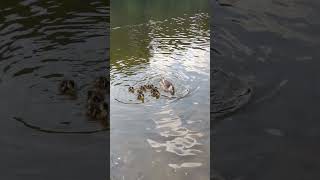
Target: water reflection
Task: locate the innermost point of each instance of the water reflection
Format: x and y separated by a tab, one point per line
183	142
166	138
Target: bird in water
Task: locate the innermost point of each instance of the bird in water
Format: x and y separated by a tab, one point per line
97	107
102	83
143	88
155	93
95	96
131	89
141	97
98	111
167	86
139	91
67	87
149	86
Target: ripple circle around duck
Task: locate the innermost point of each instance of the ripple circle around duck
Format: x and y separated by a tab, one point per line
122	94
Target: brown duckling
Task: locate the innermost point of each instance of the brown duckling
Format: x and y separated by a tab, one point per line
103	112
95	96
143	88
139	91
92	109
101	83
149	86
67	87
131	89
155	93
141	97
154	89
98	111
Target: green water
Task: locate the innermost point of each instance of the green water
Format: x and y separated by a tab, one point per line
166	138
131	12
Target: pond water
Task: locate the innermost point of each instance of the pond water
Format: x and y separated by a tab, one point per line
41	43
45	42
273	46
169	137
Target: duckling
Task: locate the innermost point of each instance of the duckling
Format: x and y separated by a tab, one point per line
101	83
131	89
139	91
141	97
167	86
103	116
95	96
92	109
149	86
154	89
95	111
102	113
155	93
143	88
67	87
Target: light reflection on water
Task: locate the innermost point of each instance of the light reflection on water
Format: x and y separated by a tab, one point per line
166	138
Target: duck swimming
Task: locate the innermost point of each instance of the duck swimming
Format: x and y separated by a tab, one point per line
155	93
67	87
141	97
101	83
95	96
131	89
103	112
139	91
98	111
167	86
143	88
149	86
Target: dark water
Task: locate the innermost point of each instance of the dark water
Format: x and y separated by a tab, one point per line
165	138
41	43
272	45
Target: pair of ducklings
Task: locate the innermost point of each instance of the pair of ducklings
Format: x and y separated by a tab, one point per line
97	108
140	91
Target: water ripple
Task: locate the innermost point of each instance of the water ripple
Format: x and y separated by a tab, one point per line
43	42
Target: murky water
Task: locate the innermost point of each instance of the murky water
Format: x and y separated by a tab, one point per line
45	42
272	45
41	43
165	138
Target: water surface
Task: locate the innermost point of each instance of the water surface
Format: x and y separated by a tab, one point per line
272	45
165	138
41	43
